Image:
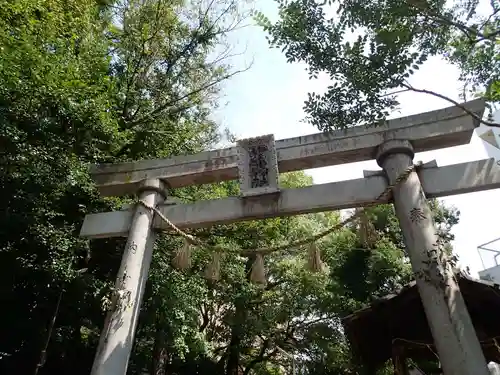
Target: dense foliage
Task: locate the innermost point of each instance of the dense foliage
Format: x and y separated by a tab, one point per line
371	49
86	81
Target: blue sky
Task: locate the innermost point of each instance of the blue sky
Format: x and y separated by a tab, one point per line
268	98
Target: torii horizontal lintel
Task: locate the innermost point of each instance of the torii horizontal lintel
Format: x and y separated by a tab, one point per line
436	181
427	131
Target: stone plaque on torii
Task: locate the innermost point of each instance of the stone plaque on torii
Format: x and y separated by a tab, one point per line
257	163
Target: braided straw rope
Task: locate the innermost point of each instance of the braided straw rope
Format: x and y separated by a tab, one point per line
384	197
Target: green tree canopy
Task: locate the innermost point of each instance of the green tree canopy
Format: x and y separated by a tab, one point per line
370	49
81	82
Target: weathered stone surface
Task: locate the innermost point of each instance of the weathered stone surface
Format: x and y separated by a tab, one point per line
257	166
380	172
117	337
457	344
427	131
436	181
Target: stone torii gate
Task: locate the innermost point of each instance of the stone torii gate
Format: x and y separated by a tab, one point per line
257	163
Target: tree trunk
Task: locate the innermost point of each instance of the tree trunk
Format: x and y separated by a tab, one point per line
233	360
160	350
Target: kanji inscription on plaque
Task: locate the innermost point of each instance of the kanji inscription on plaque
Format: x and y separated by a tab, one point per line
257	166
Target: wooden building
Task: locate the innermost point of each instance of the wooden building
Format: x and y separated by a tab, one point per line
395	327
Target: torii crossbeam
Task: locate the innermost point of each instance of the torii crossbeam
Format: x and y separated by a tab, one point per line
257	163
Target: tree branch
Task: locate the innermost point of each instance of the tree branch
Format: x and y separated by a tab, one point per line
171	103
469	31
130	81
43	353
205	318
260	358
454	102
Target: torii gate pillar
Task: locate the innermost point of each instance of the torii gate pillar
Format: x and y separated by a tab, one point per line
454	335
117	338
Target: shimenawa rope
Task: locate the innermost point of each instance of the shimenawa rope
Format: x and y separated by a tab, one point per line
384	197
